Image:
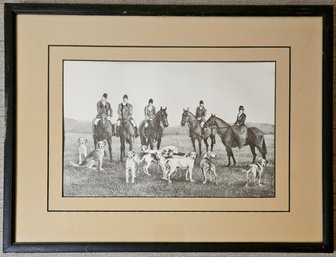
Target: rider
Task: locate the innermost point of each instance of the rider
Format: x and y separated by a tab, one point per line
103	107
149	114
125	111
201	112
239	126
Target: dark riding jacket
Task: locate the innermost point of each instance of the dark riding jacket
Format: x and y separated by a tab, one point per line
201	113
101	108
150	113
240	119
125	111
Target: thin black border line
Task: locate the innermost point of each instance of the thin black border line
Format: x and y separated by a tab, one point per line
193	197
160	211
170	46
11	10
289	125
48	128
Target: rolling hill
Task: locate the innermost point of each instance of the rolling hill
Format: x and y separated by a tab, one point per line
76	126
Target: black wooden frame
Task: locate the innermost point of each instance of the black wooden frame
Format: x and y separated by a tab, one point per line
12	10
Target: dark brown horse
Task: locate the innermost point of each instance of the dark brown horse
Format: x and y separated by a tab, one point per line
103	131
255	138
154	131
196	131
126	133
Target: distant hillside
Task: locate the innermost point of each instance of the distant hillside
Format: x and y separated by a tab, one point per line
72	125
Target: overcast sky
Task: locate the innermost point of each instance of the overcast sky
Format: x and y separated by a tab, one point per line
223	86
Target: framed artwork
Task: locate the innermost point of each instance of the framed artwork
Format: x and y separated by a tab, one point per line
168	128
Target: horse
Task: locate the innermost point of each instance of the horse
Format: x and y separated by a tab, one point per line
103	131
126	134
154	129
255	138
196	131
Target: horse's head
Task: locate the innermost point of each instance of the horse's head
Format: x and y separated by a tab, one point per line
163	116
103	117
211	122
185	116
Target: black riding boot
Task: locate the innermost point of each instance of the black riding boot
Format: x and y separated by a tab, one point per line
136	131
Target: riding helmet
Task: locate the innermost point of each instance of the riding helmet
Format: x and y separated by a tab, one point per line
125	96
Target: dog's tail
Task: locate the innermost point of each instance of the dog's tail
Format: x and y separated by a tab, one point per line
139	161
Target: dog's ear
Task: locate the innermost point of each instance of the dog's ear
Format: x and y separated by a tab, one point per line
78	140
105	142
85	140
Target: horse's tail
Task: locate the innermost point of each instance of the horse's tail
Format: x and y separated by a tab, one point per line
264	146
93	127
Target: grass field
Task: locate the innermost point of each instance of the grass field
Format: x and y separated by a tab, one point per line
81	181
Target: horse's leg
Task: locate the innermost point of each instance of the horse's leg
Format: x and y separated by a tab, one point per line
252	147
206	144
233	158
200	146
122	148
131	144
212	143
193	143
151	144
228	155
109	141
95	142
158	143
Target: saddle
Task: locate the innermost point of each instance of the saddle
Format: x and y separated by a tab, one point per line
240	135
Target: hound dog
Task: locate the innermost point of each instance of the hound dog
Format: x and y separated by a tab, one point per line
208	167
152	156
82	150
147	156
185	163
256	170
130	166
95	158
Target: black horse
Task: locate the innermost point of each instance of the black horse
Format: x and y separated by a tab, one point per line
103	131
196	132
126	133
255	138
154	131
